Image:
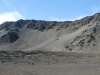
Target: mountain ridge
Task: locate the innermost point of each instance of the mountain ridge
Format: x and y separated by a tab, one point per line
51	35
45	24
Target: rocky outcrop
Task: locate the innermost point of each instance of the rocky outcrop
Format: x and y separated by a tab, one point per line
34	24
43	25
9	38
88	38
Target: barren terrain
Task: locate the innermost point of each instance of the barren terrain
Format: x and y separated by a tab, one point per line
36	47
49	63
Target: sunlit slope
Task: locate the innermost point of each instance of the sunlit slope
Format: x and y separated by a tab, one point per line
78	36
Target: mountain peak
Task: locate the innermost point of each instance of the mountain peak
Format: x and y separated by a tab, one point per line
96	17
97	14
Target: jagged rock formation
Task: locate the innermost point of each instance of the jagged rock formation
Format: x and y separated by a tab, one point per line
80	35
88	38
9	38
34	24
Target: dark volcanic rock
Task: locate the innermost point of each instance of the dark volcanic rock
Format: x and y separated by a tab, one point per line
34	24
10	37
44	25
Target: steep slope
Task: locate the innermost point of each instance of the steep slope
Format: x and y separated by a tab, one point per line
79	36
10	37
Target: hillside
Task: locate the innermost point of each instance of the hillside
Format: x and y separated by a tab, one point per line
73	36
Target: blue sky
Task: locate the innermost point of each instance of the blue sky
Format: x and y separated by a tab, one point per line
58	10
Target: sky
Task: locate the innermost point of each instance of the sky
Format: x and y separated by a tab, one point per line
49	10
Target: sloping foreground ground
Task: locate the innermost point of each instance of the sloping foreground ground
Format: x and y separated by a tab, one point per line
49	63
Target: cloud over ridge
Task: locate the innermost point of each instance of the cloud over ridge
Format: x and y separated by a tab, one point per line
10	16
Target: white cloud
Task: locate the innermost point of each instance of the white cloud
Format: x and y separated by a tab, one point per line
80	17
10	16
67	19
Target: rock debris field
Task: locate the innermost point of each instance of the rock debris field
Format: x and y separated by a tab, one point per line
48	63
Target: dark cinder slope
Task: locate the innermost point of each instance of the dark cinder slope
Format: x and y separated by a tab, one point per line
76	36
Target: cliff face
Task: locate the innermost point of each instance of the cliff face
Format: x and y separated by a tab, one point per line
10	37
79	35
43	25
34	24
